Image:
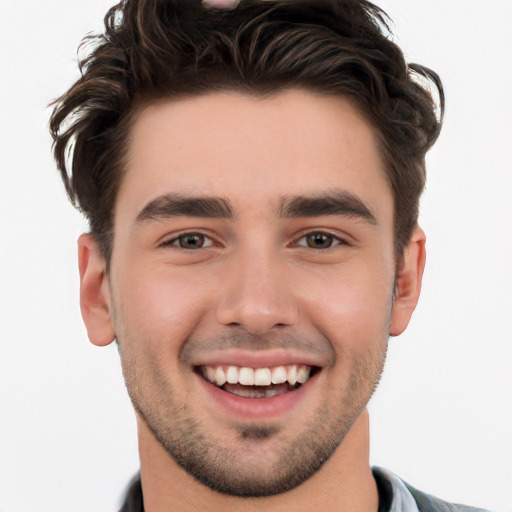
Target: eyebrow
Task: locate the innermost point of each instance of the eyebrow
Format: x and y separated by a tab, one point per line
176	205
336	202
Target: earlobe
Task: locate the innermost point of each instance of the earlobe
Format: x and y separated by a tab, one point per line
95	303
408	282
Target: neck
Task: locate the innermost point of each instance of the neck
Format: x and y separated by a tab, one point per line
343	483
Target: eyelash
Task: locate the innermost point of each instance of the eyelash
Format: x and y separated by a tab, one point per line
334	240
178	240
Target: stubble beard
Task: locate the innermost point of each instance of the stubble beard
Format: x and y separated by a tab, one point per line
228	470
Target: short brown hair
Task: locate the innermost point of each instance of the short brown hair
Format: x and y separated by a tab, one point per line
152	49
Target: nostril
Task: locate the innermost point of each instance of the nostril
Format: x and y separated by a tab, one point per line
256	307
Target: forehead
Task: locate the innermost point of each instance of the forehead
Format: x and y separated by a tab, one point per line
252	150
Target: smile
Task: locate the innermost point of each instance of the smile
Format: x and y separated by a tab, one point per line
264	382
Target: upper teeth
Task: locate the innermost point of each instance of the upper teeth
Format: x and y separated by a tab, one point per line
256	376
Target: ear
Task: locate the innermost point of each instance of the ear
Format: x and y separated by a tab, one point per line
408	282
94	292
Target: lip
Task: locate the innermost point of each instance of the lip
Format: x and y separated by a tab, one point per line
257	359
240	408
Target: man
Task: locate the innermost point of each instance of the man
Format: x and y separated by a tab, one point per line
251	177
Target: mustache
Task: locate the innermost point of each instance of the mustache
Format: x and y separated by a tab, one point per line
251	342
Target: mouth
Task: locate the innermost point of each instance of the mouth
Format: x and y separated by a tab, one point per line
266	382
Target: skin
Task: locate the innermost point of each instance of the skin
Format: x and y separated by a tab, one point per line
260	286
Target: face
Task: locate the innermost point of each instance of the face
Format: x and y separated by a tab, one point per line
251	282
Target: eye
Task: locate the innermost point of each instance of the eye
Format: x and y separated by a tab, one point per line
319	241
190	241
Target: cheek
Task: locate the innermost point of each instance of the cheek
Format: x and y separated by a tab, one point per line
353	308
163	306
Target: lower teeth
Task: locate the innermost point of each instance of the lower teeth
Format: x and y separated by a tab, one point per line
258	391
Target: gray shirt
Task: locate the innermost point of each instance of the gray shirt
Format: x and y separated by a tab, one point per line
394	496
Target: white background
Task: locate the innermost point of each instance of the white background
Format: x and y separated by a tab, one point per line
442	418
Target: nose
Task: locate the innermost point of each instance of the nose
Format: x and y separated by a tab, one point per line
257	295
